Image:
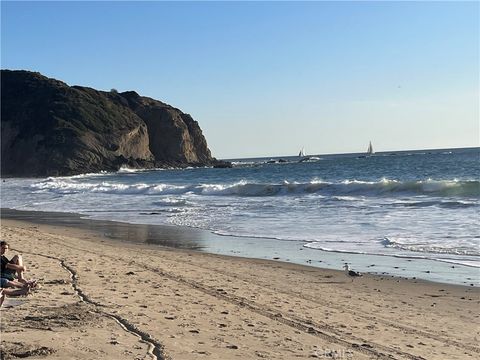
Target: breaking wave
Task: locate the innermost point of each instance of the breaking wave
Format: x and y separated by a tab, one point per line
438	188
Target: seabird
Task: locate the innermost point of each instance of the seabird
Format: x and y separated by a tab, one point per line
351	273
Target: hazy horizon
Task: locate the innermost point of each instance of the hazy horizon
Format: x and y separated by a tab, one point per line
354	153
268	78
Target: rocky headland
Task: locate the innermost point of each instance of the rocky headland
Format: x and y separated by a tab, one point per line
49	128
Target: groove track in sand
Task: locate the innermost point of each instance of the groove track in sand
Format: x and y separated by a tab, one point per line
155	349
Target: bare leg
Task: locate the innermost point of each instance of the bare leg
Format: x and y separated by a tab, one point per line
17	259
15	284
16	292
12	292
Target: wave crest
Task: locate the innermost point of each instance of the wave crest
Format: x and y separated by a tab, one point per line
439	188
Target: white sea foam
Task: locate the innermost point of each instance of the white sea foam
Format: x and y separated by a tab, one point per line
126	169
172	202
453	248
67	187
350	188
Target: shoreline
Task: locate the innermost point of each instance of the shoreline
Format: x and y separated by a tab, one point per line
205	241
110	299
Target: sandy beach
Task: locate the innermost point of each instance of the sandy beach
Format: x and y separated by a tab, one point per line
100	298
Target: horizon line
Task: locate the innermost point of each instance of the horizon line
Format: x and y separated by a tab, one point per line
354	153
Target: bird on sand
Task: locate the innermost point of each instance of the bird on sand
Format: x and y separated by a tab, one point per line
352	274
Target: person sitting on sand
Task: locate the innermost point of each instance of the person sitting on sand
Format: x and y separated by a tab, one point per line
14	267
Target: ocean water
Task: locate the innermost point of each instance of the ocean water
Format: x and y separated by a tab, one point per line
417	204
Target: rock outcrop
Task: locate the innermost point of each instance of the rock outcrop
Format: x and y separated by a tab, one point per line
49	129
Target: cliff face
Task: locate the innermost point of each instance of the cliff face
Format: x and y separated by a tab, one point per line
172	134
49	128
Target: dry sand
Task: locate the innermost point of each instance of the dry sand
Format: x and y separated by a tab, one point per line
103	299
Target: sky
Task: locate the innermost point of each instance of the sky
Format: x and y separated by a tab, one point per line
268	78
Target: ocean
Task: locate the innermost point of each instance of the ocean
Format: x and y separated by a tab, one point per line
401	205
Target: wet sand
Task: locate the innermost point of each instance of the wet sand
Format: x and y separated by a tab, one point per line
110	299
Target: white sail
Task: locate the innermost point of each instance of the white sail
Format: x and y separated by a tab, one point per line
370	149
302	152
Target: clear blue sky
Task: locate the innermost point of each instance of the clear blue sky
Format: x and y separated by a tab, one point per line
266	78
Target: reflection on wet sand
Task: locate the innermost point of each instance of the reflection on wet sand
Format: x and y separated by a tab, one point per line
162	235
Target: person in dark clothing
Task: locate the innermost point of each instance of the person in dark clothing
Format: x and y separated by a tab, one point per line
13	269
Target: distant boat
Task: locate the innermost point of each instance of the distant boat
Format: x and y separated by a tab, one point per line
305	158
369	152
370	149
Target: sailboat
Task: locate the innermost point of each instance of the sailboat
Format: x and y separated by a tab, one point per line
369	152
306	158
370	149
